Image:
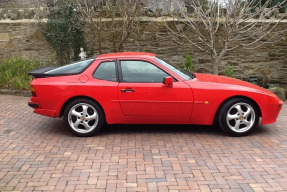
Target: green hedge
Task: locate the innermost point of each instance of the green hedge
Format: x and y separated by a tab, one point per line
14	73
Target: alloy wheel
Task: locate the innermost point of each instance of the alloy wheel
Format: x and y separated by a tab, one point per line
240	117
83	118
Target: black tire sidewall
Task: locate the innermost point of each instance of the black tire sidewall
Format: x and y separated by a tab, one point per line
99	111
223	113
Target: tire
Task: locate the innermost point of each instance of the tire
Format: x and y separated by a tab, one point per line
238	117
84	117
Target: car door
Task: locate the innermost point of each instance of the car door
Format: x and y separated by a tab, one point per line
103	87
143	94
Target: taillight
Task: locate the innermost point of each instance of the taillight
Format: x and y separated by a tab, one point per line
33	92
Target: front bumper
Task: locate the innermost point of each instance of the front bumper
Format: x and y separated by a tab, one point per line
271	111
281	103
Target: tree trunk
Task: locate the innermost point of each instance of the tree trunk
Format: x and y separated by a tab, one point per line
215	65
100	42
114	42
60	57
216	59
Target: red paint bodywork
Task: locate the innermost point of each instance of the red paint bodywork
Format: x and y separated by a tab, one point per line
194	101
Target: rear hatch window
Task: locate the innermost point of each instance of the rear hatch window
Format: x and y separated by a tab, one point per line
71	69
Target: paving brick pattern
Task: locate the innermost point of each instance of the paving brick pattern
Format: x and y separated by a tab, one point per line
37	153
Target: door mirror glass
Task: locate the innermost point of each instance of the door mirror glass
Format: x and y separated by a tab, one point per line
168	81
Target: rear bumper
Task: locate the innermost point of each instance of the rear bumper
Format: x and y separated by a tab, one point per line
38	110
45	112
33	105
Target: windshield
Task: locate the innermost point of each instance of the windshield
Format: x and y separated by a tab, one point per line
187	76
74	68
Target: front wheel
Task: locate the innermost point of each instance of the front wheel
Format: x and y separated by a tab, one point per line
84	117
238	117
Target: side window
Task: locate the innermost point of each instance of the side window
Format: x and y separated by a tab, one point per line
141	72
106	71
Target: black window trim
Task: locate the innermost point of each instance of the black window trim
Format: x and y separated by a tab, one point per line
119	70
121	74
116	68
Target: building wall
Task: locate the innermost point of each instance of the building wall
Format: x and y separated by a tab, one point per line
24	38
21	3
165	5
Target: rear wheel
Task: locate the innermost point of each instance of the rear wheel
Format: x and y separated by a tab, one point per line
238	117
84	117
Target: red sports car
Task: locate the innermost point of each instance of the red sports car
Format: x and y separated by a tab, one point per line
139	88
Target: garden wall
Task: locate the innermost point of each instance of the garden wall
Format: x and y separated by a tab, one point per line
23	38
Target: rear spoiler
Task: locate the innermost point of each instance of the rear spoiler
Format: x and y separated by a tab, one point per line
38	73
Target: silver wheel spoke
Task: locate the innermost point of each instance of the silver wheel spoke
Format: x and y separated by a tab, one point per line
237	124
85	110
247	123
92	117
238	107
75	113
86	125
77	123
247	113
231	117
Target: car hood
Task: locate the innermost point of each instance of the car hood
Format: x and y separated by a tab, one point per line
234	83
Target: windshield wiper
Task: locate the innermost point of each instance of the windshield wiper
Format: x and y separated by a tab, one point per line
188	73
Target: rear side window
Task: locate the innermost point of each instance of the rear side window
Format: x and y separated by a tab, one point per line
106	71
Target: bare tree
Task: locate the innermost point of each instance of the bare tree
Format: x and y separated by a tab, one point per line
126	24
225	25
91	11
116	18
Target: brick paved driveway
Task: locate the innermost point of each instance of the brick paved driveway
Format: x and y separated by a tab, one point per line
39	154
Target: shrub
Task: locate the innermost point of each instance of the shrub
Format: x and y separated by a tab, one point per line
188	64
279	91
14	73
228	71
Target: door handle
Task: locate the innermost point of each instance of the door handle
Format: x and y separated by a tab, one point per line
127	90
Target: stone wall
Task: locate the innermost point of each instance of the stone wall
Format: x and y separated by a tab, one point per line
166	6
152	5
23	38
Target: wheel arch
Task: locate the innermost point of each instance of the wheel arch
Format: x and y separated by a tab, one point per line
236	97
79	97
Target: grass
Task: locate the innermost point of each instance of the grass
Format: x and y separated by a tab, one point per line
14	73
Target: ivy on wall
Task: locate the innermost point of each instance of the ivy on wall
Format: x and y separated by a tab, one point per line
65	32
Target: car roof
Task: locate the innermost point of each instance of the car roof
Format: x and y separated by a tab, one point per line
126	54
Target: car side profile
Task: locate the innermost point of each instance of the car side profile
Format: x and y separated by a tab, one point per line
139	88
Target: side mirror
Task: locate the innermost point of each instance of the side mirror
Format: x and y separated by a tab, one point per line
168	81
